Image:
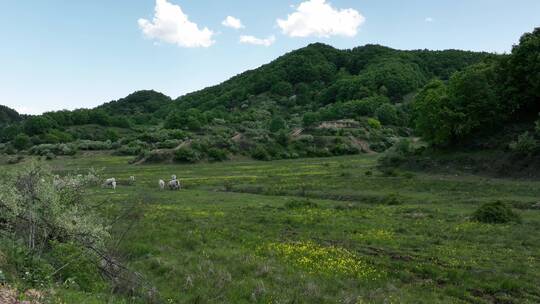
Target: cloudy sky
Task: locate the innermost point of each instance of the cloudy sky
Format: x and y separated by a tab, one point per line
66	54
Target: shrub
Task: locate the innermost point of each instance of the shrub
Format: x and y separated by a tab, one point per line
495	213
41	209
129	150
525	145
301	204
15	159
58	149
310	118
393	199
74	264
90	145
21	142
215	154
169	144
157	156
260	153
187	155
397	155
50	156
374	123
387	114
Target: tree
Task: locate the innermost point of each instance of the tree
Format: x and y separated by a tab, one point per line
191	119
310	118
469	104
431	113
42	208
99	117
387	114
276	124
393	77
522	80
37	125
474	99
282	88
21	142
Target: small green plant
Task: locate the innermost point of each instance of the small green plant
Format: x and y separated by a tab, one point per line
307	204
228	186
495	213
389	172
392	199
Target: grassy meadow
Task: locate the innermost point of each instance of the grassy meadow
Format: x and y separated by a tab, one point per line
332	230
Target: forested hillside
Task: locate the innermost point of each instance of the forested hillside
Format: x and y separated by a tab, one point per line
315	101
8	116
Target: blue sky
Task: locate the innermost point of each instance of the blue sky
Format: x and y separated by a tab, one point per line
66	54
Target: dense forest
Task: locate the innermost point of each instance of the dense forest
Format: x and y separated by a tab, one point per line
315	101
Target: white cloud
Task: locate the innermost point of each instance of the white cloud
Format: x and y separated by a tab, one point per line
172	25
318	18
258	41
232	22
429	19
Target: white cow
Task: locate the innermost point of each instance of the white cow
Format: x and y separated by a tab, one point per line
161	184
111	182
174	184
173	177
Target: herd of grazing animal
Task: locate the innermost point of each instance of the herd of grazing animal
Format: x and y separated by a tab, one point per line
173	184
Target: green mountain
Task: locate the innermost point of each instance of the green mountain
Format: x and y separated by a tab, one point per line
291	107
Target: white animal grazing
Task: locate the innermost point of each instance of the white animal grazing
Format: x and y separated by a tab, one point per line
161	184
174	184
173	177
111	182
132	179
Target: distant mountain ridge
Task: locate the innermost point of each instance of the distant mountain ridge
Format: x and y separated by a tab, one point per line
255	112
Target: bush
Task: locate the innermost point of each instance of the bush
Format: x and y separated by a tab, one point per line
41	209
187	155
301	205
21	142
260	153
392	199
495	213
157	156
525	145
215	154
15	159
90	145
58	149
77	266
374	123
50	156
169	144
387	114
129	150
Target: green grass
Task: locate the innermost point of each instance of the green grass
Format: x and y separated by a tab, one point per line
319	231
